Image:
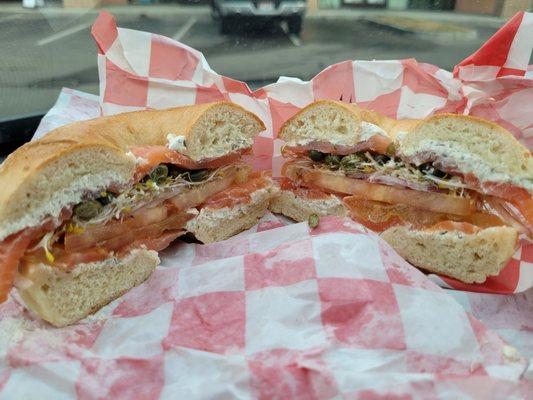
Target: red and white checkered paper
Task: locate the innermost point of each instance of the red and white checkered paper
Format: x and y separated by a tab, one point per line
140	70
279	312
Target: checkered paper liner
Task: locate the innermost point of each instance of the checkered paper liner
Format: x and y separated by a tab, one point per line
277	312
140	70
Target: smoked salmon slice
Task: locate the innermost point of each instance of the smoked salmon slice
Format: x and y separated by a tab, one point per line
464	227
239	193
155	155
11	251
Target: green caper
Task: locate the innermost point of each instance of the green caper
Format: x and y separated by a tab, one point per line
106	198
429	169
175	171
159	173
87	209
350	162
332	161
313	221
425	168
316	155
391	149
197	175
381	158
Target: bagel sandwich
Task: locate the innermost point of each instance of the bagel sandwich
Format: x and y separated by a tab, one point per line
85	209
463	171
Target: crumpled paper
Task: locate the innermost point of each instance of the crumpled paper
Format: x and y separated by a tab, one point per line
70	106
277	312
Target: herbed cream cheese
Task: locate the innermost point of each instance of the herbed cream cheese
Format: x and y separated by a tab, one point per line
368	130
454	155
138	160
213	217
176	142
399	136
306	141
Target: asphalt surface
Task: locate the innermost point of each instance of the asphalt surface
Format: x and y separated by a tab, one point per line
44	51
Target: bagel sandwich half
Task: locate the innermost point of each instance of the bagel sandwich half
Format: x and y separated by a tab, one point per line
409	173
85	209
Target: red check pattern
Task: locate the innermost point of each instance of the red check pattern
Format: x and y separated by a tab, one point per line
282	311
267	320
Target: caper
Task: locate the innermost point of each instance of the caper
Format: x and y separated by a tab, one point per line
391	149
425	168
159	173
313	221
197	175
332	161
439	174
381	159
429	169
106	198
350	162
316	155
175	171
87	209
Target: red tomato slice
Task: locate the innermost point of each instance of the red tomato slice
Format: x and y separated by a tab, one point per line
152	236
173	222
68	260
431	201
157	244
306	193
115	230
239	193
197	195
92	235
116	235
155	155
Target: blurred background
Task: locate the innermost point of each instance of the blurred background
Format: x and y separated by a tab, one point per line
46	45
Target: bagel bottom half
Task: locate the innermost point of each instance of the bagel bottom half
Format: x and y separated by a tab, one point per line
470	258
63	298
216	224
291	205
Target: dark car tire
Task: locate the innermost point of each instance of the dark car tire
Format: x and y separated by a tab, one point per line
215	14
295	24
225	25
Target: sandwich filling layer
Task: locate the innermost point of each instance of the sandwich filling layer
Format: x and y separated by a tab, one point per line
381	189
165	193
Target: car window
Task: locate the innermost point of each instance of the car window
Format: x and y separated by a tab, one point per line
47	45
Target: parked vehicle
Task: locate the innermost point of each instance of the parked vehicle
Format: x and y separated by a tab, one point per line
229	11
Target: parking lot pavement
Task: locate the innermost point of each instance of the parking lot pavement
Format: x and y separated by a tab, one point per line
47	49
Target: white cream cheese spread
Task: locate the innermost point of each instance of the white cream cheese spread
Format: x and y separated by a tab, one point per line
368	130
176	142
